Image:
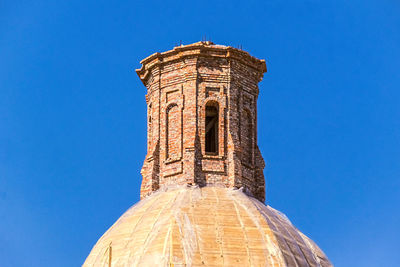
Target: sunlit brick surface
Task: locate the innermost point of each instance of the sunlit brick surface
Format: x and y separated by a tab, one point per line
181	84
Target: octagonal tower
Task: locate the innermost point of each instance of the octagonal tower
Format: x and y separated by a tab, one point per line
202	118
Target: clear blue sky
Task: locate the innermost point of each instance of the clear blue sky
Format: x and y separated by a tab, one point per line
72	117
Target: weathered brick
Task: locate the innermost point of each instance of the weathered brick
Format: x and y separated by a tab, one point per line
188	87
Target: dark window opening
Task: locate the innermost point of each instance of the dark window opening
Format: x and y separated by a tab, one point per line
211	129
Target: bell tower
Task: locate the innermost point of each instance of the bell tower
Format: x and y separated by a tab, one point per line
202	118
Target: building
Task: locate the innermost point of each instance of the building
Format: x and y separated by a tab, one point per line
203	186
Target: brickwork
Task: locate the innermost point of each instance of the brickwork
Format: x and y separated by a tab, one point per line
202	123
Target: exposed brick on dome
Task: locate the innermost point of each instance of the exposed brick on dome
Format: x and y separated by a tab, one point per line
209	226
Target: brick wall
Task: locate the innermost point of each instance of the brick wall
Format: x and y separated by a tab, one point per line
181	84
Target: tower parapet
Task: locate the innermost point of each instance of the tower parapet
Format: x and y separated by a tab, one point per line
202	118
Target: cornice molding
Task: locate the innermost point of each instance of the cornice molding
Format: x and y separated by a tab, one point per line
199	49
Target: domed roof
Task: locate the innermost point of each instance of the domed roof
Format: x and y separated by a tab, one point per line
209	226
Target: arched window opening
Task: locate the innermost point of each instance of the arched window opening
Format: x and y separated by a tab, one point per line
211	123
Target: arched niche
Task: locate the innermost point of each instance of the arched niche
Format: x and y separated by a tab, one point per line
247	137
173	136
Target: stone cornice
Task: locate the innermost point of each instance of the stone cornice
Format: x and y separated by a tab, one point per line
204	49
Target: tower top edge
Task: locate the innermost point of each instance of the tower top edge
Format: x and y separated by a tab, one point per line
202	48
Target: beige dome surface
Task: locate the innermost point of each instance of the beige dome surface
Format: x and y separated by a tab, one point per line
209	226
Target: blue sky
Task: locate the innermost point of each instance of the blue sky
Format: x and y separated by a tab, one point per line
72	117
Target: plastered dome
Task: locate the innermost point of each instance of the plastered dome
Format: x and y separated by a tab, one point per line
208	226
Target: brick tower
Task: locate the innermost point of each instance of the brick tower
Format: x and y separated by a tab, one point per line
202	118
202	131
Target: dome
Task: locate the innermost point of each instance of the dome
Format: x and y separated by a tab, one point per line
208	226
